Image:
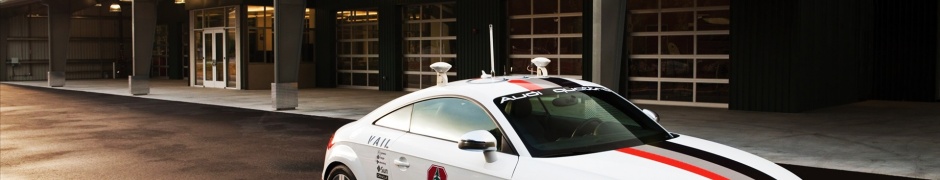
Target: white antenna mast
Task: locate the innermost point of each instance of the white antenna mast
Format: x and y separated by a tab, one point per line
492	56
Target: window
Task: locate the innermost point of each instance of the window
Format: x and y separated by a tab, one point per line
357	49
450	118
546	28
430	35
260	22
577	121
400	119
679	52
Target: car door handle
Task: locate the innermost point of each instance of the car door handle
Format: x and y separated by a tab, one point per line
402	162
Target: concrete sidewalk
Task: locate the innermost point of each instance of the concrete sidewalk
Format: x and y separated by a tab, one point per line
881	137
326	102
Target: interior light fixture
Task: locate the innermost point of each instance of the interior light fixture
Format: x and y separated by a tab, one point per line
127	0
179	1
115	7
97	4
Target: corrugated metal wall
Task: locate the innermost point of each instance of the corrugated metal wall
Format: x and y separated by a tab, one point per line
761	49
905	41
831	55
94	46
326	46
793	56
473	44
390	46
587	66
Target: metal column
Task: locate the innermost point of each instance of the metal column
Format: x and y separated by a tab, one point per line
143	23
60	12
287	52
4	46
607	38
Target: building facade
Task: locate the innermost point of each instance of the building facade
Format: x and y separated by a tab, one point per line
784	56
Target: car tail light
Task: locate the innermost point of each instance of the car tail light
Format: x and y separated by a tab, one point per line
330	145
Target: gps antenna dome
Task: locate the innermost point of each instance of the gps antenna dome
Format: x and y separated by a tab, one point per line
540	63
441	68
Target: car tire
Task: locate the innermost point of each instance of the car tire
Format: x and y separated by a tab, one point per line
341	172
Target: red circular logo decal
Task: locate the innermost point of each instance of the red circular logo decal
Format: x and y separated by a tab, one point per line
436	172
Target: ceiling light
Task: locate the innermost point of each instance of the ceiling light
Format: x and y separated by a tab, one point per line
179	1
115	7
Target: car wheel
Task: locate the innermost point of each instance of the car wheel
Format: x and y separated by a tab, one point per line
341	172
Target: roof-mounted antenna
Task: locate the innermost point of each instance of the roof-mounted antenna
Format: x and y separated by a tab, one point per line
540	63
441	69
492	57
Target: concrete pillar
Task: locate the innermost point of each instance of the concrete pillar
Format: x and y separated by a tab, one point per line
288	25
60	13
143	23
608	31
4	45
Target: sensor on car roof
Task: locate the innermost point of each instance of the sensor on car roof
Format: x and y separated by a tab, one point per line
441	68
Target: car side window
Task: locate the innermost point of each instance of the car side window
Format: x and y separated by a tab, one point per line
399	119
450	118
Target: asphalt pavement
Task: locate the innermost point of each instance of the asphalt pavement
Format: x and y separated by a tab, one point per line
59	134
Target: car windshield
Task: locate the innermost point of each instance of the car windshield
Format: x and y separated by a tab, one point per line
572	121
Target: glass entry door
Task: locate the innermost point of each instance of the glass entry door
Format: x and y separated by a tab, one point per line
214	58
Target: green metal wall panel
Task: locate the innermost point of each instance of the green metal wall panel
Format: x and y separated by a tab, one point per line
326	47
473	39
905	41
390	50
829	53
761	50
793	56
201	4
588	34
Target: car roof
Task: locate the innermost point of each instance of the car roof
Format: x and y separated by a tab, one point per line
482	90
489	88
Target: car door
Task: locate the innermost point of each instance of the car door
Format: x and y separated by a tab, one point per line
376	139
429	150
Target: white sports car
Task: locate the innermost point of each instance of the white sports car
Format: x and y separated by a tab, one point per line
527	128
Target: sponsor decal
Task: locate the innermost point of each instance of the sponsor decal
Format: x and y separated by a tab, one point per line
713	158
672	162
562	82
576	89
520	96
524	95
380	171
525	84
378	141
436	172
697	161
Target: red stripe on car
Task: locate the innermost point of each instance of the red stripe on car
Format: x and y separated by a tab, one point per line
526	84
672	162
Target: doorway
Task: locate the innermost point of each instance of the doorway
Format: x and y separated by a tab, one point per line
215	51
219	64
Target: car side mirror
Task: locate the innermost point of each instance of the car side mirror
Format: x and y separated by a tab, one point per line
651	114
479	141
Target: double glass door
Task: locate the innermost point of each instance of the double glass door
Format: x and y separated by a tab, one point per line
218	57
